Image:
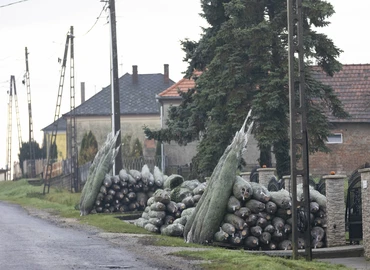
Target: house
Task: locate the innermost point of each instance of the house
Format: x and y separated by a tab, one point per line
138	107
349	143
60	139
350	139
175	154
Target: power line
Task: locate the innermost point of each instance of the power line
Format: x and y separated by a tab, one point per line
13	3
97	19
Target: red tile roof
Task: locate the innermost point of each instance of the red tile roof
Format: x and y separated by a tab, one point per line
183	85
352	85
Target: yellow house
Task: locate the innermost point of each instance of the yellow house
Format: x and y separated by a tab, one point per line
60	140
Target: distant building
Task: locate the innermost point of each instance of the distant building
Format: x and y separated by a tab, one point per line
350	139
175	154
138	107
60	140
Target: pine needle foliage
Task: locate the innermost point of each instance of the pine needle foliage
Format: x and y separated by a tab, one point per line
89	148
243	55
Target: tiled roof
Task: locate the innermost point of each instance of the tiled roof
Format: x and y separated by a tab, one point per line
135	98
62	125
183	85
352	85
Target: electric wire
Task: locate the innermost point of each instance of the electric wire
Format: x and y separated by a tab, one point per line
13	3
97	19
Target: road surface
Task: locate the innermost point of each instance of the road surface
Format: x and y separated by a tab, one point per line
31	243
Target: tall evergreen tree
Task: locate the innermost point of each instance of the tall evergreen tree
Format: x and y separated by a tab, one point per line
89	148
244	58
24	152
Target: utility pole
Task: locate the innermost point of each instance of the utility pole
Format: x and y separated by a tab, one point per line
74	151
30	122
9	127
51	150
298	126
9	137
116	112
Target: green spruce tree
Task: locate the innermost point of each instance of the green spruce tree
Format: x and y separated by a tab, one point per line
88	149
24	152
244	58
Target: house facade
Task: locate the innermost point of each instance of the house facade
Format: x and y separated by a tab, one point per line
174	153
350	139
138	108
60	139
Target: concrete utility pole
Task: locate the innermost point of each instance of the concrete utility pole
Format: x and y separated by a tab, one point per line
116	112
30	121
298	127
75	185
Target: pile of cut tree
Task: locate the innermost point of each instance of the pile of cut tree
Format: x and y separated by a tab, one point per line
128	191
168	209
255	218
230	209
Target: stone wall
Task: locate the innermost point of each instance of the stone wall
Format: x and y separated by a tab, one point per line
335	231
365	197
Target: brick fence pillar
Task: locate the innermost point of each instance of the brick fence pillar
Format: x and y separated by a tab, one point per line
265	175
246	176
288	183
365	197
335	210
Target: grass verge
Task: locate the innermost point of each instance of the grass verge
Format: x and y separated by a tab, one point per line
220	259
63	203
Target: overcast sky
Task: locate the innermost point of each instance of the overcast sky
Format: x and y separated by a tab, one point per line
149	34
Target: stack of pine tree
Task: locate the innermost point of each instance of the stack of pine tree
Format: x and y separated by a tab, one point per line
259	219
256	218
128	191
168	210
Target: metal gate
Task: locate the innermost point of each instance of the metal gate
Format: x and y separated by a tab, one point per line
354	207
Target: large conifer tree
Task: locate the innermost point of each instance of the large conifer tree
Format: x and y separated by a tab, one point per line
244	58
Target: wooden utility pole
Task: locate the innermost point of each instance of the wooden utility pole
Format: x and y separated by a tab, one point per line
116	112
298	126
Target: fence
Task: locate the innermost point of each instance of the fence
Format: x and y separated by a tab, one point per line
137	163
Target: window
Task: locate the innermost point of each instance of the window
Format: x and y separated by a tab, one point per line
335	138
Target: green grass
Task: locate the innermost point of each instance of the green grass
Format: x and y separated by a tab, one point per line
63	203
220	259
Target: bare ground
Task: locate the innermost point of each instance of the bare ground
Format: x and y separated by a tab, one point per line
160	257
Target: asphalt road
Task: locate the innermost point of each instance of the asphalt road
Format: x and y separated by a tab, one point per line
31	243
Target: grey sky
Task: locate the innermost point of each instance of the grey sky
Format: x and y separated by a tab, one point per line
148	36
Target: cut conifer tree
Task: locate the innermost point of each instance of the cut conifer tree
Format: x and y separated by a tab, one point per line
101	166
210	211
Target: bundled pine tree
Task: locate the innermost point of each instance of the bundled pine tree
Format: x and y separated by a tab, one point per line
101	165
128	191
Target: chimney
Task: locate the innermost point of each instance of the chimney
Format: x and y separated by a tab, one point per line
166	74
135	77
82	92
